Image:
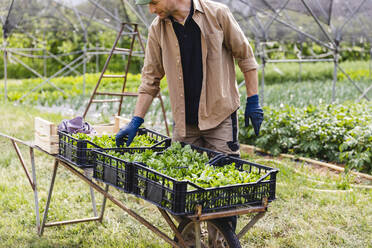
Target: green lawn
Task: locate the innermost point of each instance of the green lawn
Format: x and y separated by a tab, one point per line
314	207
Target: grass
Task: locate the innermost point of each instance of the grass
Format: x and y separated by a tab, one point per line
304	215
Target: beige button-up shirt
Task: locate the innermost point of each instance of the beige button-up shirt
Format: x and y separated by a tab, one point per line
222	41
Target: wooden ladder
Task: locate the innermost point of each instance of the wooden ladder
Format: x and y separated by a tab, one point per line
120	95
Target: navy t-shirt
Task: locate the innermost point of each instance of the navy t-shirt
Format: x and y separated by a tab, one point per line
189	40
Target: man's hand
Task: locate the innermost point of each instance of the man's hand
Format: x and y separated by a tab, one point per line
129	130
254	112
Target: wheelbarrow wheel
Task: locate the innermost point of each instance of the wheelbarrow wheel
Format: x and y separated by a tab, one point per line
214	234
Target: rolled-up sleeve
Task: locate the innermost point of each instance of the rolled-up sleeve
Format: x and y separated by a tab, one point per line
236	42
152	71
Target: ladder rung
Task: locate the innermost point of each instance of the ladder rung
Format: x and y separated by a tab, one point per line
106	100
129	33
121	49
113	76
116	94
129	23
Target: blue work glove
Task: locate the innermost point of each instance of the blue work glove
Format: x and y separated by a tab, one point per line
254	112
129	131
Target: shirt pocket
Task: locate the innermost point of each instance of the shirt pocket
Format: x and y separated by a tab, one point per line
214	45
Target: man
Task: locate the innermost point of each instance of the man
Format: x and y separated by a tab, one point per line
194	43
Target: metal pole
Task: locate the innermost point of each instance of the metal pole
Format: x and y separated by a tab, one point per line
45	63
262	91
318	22
84	66
5	71
297	60
370	60
335	61
64	64
365	93
351	80
44	55
97	58
84	28
97	5
294	28
49	197
141	17
19	154
88	173
103	204
35	189
300	64
277	13
352	14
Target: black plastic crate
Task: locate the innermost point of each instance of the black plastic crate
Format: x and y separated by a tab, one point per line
212	155
77	152
182	197
161	140
113	170
121	174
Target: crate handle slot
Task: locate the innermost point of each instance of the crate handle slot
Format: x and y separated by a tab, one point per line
263	177
216	158
195	185
166	141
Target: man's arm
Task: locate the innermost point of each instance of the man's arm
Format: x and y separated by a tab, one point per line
237	43
251	82
143	104
152	73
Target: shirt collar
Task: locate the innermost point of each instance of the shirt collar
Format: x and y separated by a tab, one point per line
197	6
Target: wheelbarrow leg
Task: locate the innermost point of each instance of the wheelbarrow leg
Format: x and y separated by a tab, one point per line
197	234
88	174
103	203
250	224
35	189
49	197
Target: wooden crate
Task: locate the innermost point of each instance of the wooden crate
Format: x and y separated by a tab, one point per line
46	136
107	129
120	122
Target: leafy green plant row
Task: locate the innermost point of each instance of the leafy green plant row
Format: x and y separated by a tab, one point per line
184	163
334	133
292	50
106	141
277	73
71	86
